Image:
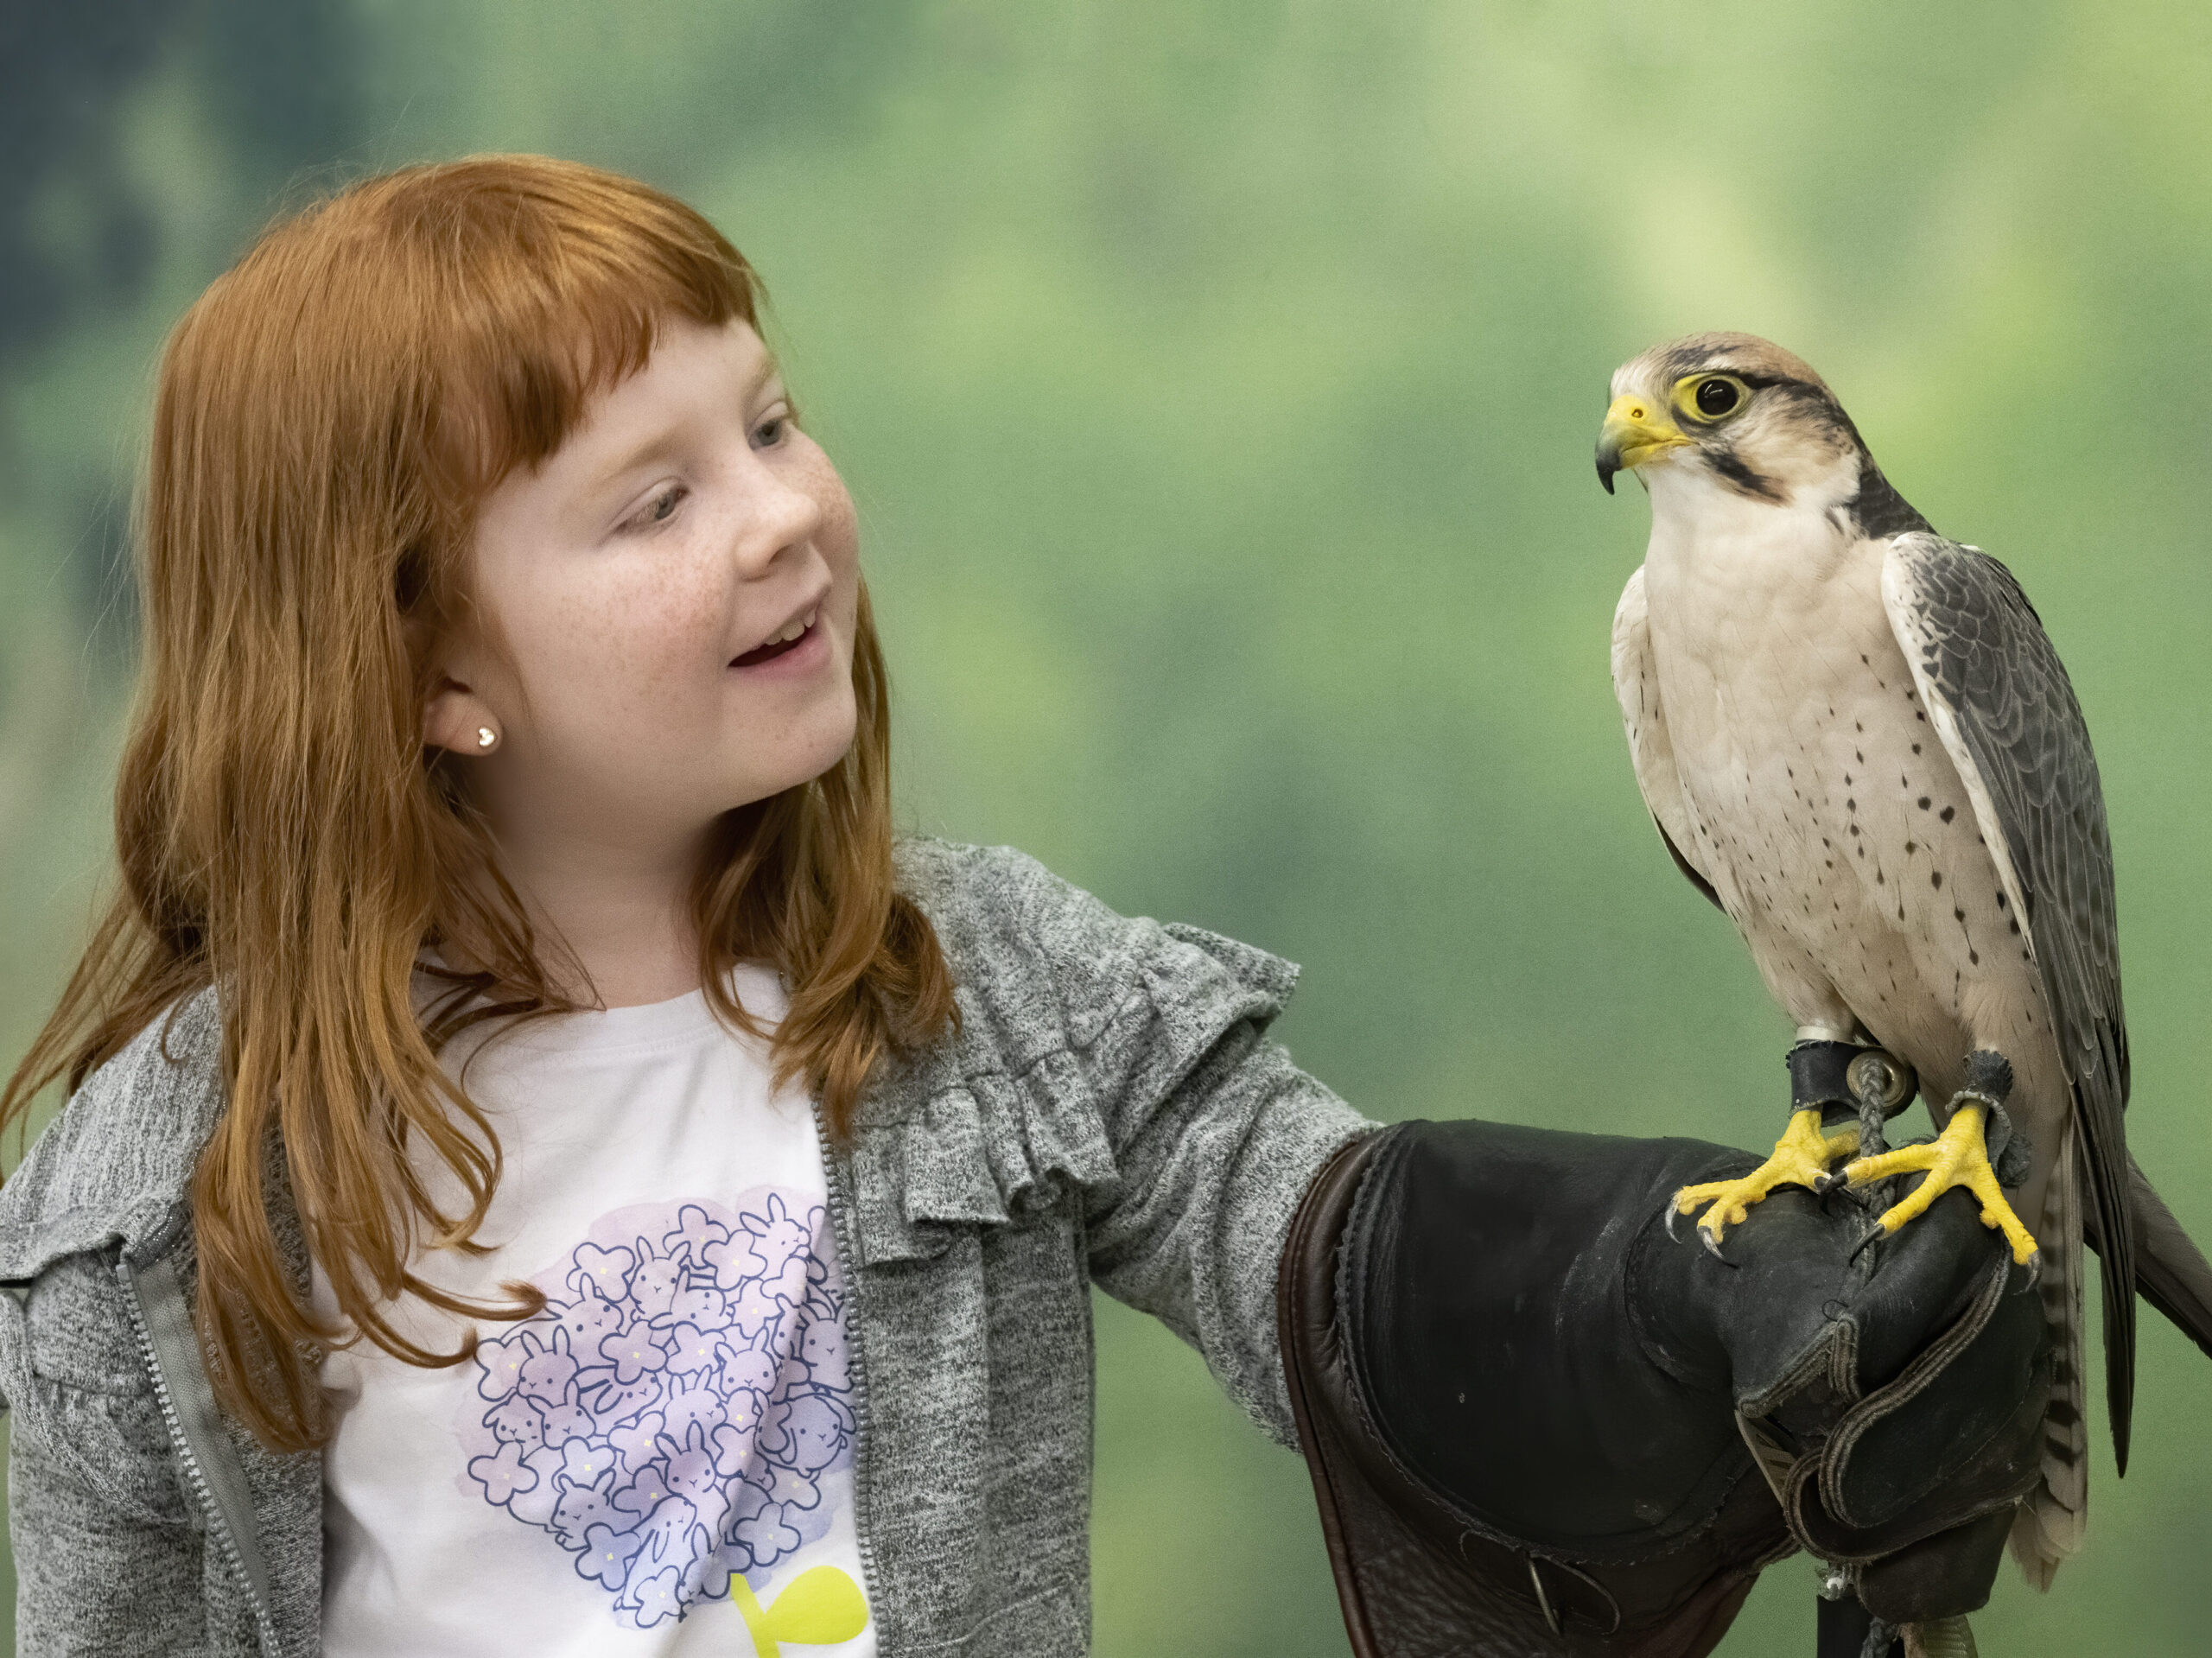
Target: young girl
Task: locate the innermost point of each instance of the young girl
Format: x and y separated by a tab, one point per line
509	669
544	1172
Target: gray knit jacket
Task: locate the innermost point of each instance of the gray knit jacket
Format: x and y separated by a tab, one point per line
1109	1114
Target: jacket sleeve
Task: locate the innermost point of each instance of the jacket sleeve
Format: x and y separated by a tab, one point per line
1215	1133
106	1561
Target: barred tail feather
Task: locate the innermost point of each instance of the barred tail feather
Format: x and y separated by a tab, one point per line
2055	1517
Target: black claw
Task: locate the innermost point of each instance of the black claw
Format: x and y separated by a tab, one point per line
2034	1265
1713	1248
1673	1211
1859	1249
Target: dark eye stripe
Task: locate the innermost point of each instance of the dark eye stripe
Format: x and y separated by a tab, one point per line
1741	478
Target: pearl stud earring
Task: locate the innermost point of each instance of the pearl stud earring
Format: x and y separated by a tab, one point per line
485	736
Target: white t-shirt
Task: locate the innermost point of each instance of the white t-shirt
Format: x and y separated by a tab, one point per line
662	1461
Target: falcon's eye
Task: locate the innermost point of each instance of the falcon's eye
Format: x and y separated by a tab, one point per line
1716	396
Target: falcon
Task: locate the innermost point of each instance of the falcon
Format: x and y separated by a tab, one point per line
1856	738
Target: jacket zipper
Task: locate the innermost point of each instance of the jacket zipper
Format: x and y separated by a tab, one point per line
168	1344
849	1265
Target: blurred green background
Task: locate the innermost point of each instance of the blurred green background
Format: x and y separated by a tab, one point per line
1218	384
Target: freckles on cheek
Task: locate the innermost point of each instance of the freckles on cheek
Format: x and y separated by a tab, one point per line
619	636
838	535
840	520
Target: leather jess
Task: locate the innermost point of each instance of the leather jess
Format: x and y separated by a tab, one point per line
1539	1424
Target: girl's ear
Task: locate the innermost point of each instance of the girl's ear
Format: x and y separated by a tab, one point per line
455	717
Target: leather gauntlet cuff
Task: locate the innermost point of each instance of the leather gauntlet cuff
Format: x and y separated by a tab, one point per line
1418	1575
1538	1424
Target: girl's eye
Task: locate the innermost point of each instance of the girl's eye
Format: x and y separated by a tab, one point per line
660	509
771	431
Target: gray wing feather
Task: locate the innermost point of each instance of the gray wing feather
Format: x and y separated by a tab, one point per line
2006	712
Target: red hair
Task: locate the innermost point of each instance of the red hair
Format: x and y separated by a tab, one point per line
330	413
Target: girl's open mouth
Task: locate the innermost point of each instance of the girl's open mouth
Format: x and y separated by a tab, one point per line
770	650
788	639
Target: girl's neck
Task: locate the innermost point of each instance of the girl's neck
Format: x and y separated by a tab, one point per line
606	938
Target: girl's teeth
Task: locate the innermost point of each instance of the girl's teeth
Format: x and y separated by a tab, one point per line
791	631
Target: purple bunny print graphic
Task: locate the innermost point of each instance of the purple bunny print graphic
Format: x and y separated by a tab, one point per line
669	1419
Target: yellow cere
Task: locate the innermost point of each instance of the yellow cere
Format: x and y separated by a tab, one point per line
1636	428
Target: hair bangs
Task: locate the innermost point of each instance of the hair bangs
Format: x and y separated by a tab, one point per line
554	296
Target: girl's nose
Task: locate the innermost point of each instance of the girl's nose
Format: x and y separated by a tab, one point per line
780	516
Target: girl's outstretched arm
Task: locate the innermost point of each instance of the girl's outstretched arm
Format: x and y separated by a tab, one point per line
1213	1167
1197	1135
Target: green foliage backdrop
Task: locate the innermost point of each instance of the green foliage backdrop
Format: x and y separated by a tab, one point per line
1218	384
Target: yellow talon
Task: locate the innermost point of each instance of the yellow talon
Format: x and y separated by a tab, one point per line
1801	1157
1958	1157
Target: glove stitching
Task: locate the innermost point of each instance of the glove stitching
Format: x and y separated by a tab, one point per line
1831	1357
1918	1377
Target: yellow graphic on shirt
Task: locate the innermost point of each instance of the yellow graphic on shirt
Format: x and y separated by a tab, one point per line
818	1608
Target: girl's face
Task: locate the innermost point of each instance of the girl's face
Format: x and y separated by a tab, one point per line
676	584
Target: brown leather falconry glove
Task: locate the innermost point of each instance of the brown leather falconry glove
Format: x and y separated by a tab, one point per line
1539	1424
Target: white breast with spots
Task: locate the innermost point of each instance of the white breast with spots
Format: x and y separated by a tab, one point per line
1821	802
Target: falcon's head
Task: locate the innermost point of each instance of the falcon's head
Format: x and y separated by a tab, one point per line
1736	413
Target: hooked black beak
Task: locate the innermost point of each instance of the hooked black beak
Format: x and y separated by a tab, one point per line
1635	429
